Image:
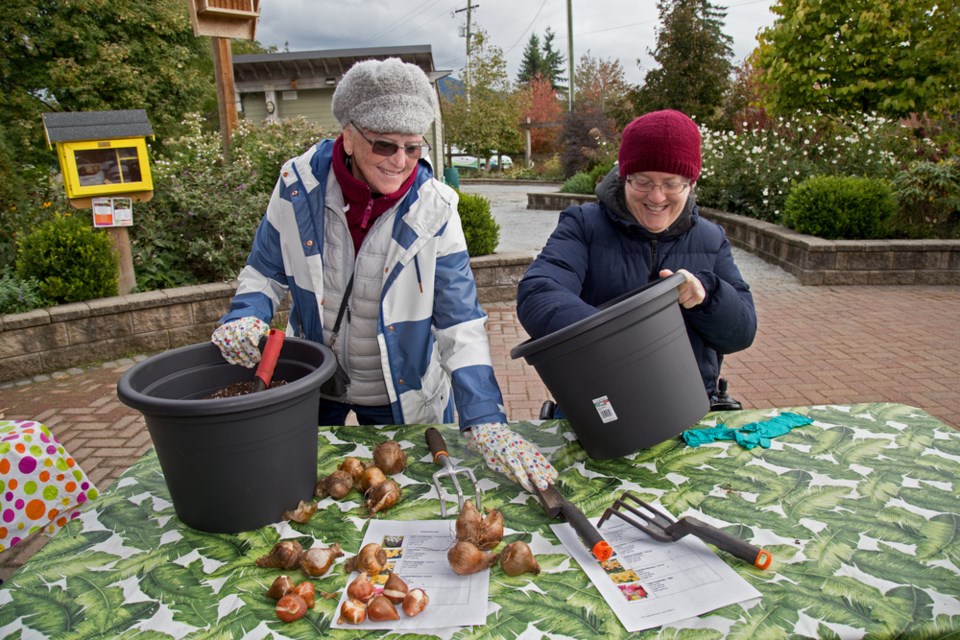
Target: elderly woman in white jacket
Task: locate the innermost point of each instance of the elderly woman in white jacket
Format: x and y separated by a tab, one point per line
359	228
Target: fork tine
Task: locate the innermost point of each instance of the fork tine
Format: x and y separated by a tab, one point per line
654	532
655	523
443	504
663	519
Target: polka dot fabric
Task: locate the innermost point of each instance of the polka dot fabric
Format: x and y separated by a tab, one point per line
41	486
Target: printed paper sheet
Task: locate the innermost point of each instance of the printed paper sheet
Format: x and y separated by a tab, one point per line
649	583
417	552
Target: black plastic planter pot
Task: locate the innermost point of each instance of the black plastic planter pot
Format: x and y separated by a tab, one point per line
626	377
231	464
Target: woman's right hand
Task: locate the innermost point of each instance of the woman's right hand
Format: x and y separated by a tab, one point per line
239	340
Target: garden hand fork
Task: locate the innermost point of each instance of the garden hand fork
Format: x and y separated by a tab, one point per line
664	528
438	448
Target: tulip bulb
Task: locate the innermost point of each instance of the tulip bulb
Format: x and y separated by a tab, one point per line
354	467
415	601
352	612
389	456
466	558
383	496
317	561
336	485
380	608
371	477
361	588
517	558
371	560
395	588
468	523
491	532
280	587
283	555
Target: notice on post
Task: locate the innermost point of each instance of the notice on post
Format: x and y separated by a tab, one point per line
112	212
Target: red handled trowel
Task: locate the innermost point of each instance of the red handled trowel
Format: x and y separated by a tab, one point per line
268	360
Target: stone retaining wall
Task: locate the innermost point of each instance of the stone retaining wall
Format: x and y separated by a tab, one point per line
72	335
820	262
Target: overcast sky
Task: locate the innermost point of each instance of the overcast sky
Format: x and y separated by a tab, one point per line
610	29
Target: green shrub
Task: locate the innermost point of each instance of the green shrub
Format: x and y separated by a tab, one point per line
841	207
70	260
200	224
578	183
18	295
37	195
586	182
929	196
481	230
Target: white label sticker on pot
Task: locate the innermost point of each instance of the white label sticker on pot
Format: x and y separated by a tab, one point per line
604	409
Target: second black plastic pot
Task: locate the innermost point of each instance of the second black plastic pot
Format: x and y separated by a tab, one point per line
626	377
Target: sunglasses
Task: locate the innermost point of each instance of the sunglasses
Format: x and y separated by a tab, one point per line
385	148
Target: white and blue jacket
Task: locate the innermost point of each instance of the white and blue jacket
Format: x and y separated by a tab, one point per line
431	329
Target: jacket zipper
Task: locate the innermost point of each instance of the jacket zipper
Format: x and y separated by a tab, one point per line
654	271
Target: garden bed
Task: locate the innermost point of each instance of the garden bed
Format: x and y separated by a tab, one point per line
815	261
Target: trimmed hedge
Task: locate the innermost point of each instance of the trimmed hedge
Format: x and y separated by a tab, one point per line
841	208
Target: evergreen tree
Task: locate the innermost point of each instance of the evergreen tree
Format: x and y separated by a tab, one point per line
553	62
694	57
543	61
532	63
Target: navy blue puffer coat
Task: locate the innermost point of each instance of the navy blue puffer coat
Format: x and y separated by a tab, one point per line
598	252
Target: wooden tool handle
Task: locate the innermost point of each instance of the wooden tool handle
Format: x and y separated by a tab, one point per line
436	443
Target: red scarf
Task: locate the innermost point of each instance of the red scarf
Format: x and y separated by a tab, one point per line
363	206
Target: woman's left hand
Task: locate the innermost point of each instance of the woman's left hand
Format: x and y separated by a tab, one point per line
691	291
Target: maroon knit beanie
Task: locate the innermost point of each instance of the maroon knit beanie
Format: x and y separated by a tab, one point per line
666	141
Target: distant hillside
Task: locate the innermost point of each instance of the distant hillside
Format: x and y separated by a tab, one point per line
450	87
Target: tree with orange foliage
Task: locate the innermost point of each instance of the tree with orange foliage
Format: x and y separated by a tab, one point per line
543	107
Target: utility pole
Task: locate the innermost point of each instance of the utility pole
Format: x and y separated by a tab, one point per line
466	73
570	51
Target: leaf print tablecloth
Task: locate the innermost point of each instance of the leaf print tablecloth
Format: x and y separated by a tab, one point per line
861	510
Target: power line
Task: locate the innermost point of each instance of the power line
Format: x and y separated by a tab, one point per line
513	46
410	16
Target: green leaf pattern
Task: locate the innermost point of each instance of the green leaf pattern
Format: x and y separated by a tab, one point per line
860	510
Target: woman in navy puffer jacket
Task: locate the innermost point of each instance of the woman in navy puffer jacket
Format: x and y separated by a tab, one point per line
644	226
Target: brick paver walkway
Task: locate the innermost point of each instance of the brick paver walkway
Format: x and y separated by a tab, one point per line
816	345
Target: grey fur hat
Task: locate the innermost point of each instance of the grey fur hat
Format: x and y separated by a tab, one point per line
385	96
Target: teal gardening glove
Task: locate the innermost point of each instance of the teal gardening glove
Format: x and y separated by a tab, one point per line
239	340
508	453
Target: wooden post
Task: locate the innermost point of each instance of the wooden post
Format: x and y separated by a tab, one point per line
529	160
121	243
226	91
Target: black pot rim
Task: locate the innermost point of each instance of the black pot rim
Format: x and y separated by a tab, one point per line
146	403
617	307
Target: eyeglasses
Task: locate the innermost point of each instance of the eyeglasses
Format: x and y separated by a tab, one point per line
385	148
646	185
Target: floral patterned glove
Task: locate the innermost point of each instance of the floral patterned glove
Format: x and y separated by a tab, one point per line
506	452
239	340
